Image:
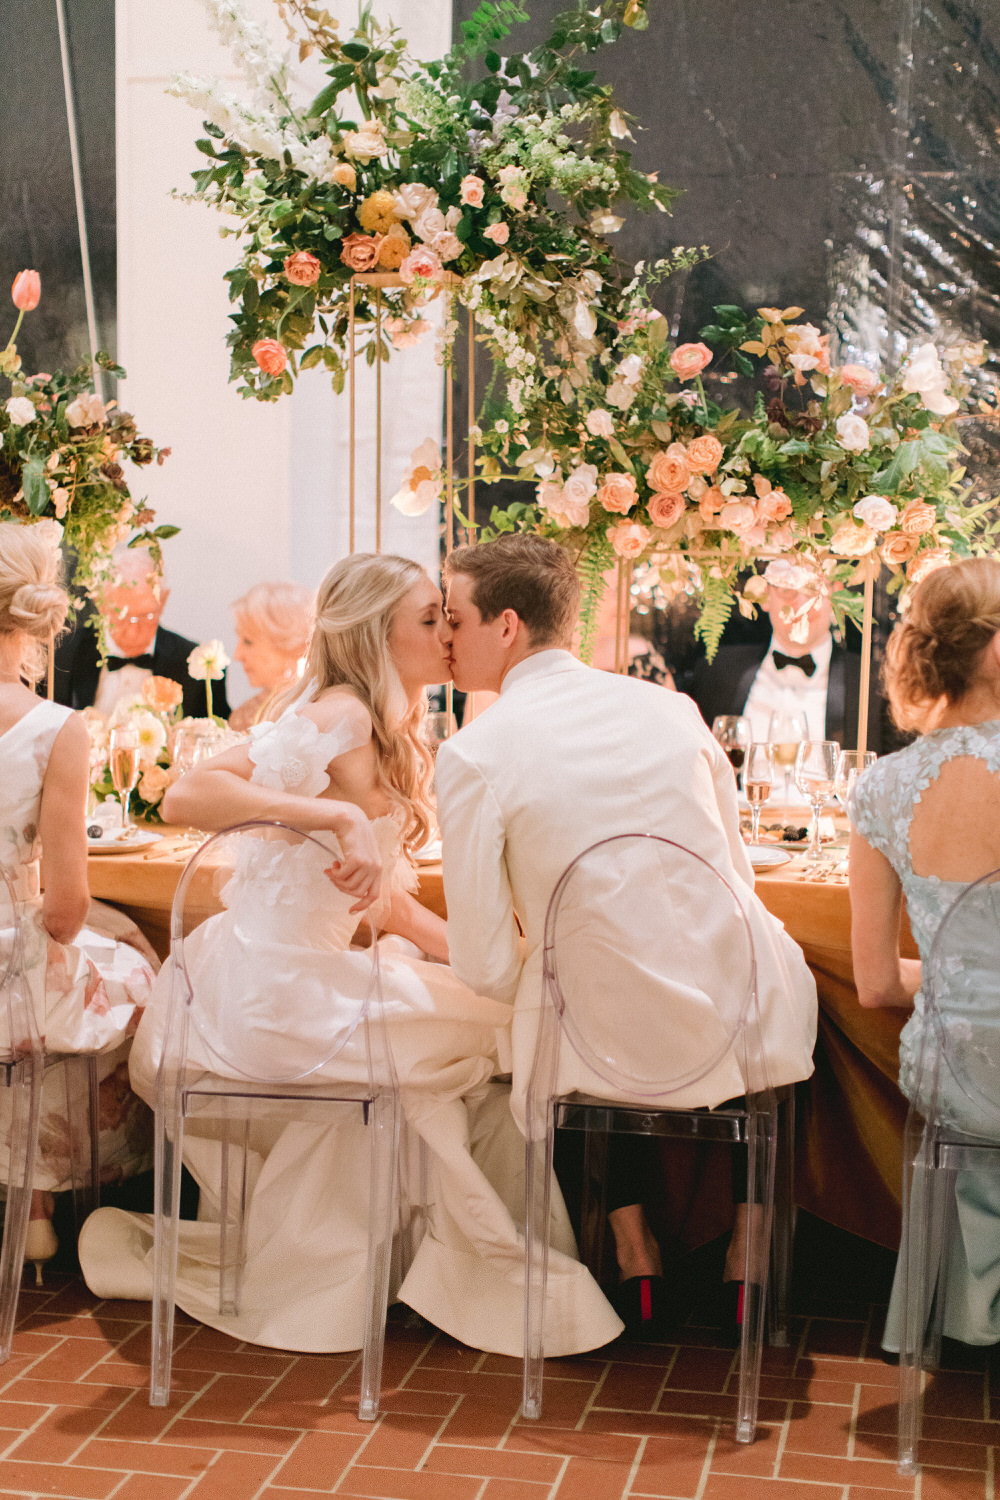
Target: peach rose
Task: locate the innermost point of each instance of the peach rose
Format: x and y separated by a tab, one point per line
853	541
704	454
359	252
738	516
697	486
898	548
688	360
917	518
774	506
499	233
617	493
628	538
302	269
423	262
472	190
270	356
670	470
665	509
344	175
161	694
927	562
861	380
710	503
394	249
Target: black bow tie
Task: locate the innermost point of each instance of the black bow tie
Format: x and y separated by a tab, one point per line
115	663
804	663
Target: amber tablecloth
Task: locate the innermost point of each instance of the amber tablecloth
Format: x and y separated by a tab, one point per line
850	1113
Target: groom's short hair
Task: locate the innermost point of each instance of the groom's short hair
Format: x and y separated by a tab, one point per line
534	577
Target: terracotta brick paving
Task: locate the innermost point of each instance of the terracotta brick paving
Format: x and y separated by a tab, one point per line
631	1421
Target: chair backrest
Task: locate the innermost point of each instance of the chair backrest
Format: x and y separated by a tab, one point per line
958	1071
649	965
245	1038
18	1028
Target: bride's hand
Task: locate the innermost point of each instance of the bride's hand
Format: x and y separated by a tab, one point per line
359	872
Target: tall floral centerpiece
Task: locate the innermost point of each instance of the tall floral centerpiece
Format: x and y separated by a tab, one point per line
61	453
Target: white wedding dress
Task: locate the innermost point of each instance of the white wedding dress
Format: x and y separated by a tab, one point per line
277	964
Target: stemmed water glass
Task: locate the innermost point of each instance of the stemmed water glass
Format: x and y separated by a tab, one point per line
733	733
758	776
815	777
786	732
850	764
123	754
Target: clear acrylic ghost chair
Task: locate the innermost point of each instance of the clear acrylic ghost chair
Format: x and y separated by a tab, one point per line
631	926
277	1077
953	1126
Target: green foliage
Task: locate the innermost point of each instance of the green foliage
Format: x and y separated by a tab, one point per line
593	565
716	606
489	23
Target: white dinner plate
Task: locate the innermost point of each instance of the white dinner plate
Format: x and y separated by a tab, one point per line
117	845
430	854
766	857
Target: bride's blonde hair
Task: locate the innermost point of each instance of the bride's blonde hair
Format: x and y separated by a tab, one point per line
32	600
355	607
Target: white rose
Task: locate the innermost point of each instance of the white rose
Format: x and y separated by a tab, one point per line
877	512
852	433
600	423
925	375
737	515
85	411
782	573
413	200
362	145
21	411
580	486
803	338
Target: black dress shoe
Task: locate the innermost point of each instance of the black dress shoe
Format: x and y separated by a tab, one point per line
644	1306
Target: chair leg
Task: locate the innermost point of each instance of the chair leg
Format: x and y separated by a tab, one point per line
167	1175
232	1236
538	1195
761	1145
383	1134
593	1205
915	1271
783	1233
24	1078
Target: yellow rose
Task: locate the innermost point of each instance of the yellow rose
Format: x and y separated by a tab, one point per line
377	213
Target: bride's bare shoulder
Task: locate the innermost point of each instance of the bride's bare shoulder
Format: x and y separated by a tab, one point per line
338	708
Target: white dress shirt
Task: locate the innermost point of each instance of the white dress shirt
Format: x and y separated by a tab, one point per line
127	682
790	691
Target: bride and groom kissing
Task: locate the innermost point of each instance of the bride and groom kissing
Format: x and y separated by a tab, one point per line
566	756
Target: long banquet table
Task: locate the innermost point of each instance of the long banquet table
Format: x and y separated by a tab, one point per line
850	1113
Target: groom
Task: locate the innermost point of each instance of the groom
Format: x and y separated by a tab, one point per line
565	757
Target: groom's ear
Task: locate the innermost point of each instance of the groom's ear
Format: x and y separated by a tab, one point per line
511	626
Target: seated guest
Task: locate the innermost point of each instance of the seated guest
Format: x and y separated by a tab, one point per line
273	624
800	670
137	644
926	822
566	757
82	1003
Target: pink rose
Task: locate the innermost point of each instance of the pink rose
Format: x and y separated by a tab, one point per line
617	493
710	503
773	505
472	190
688	360
27	291
738	516
422	262
359	252
664	509
669	470
628	538
499	233
704	454
861	380
447	245
302	269
927	562
270	356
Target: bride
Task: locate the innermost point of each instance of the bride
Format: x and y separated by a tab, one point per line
346	757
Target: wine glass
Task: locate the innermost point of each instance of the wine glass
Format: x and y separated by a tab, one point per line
437	727
733	733
815	777
123	754
758	775
786	731
850	764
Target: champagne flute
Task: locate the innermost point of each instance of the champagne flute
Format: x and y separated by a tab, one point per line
815	777
850	764
786	731
758	776
123	747
733	733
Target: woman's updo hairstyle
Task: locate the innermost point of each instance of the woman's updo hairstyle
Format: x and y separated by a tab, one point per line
937	650
32	598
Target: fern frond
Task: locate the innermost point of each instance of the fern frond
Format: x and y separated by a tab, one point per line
592	566
716	607
489	23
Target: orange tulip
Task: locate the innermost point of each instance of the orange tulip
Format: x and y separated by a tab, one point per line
27	290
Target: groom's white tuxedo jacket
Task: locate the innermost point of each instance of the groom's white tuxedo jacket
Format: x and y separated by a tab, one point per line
565	757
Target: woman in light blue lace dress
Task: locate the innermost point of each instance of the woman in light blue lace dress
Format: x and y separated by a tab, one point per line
926	822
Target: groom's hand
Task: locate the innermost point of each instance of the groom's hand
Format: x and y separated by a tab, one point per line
358	872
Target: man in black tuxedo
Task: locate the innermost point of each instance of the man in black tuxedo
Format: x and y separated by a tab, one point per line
801	669
138	646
